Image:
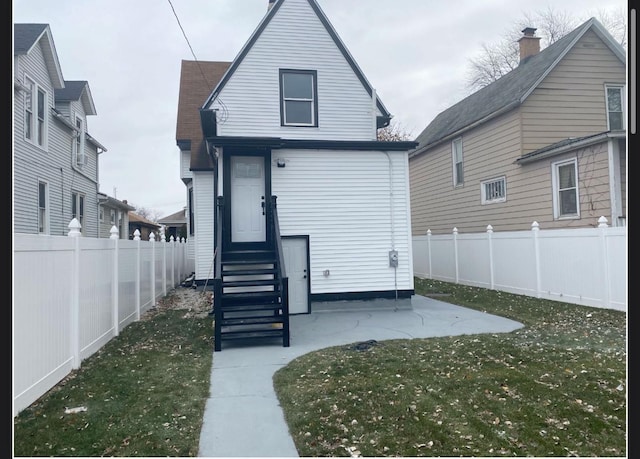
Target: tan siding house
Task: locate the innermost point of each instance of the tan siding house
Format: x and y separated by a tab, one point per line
546	143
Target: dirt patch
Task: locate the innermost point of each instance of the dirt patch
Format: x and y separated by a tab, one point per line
194	301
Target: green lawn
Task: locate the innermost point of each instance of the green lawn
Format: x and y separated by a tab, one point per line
556	387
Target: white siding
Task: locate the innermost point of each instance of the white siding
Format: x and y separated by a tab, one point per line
185	163
203	215
295	39
344	201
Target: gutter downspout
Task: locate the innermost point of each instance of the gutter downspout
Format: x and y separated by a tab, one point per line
374	109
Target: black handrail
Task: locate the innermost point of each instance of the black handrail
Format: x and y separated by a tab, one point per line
217	280
281	269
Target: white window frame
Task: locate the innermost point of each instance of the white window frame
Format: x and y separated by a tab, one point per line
36	117
43	208
488	183
555	178
78	208
621	90
457	157
313	102
78	143
101	214
112	217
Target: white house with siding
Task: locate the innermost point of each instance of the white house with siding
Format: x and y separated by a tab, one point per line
55	159
290	131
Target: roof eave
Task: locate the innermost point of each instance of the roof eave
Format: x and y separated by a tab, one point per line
532	157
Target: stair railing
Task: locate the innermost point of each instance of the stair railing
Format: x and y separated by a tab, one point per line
281	269
217	280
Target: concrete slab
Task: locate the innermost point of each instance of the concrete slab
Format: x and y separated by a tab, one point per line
243	418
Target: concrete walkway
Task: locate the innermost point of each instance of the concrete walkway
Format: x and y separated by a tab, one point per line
243	418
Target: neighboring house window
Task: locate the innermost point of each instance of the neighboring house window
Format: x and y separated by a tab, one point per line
112	218
43	208
615	107
298	98
78	144
35	122
101	214
565	189
458	165
494	190
77	209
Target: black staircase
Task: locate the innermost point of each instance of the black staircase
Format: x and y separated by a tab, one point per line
250	288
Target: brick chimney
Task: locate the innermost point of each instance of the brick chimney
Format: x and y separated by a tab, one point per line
529	43
271	3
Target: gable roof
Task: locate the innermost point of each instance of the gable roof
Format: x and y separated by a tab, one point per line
177	218
510	90
76	90
197	78
26	36
382	121
134	218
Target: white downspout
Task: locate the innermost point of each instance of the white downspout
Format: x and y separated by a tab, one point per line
374	113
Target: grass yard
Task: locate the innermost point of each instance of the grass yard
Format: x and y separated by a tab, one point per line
144	392
556	387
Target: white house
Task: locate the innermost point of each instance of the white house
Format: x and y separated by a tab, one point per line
290	158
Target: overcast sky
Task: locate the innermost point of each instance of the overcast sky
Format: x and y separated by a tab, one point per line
414	52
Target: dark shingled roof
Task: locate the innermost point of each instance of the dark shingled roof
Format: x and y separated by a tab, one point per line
25	35
197	80
502	95
72	90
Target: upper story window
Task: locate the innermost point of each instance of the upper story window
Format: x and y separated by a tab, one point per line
615	107
112	218
458	164
77	208
78	144
101	214
35	119
298	98
565	189
43	208
494	190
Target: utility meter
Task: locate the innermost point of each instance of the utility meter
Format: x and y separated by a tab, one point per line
393	258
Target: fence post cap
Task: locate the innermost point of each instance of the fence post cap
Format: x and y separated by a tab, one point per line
489	229
152	236
602	222
455	230
74	228
429	232
115	234
535	226
136	235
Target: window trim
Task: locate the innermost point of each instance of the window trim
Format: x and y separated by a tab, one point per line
46	226
78	204
314	101
36	121
621	88
112	217
79	152
483	195
457	182
555	176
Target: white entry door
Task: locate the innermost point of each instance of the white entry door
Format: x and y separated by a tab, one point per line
247	199
295	261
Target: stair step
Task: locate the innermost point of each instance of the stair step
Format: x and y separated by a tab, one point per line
250	334
257	320
272	295
245	308
245	262
250	283
254	255
249	272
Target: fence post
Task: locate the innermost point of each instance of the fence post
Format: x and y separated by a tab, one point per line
429	252
74	232
455	250
152	239
535	228
115	316
602	225
163	243
490	238
173	261
136	237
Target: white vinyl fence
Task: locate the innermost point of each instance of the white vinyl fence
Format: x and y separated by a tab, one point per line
586	266
71	295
